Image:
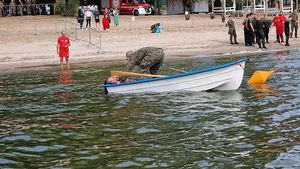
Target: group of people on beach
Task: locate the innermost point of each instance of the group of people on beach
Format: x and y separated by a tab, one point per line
24	7
86	13
257	28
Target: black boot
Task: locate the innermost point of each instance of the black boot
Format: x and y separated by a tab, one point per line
259	45
236	43
265	47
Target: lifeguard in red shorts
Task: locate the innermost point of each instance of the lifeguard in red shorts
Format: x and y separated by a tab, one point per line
63	44
278	22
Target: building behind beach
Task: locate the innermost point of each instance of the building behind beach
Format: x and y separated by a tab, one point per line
178	7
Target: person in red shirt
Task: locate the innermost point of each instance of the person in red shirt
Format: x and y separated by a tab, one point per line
278	22
63	44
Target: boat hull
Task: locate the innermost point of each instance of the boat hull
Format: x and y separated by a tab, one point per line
224	77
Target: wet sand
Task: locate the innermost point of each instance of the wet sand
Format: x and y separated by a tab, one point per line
29	42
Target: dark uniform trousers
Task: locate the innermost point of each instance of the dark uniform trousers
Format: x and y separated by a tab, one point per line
260	38
287	33
266	33
294	25
232	36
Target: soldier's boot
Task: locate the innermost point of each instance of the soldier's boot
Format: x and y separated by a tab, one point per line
264	46
259	45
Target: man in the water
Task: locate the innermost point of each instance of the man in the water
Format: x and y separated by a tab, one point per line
63	44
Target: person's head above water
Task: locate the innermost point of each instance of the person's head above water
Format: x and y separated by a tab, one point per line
112	80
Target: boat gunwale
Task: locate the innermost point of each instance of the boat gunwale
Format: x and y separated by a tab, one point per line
179	75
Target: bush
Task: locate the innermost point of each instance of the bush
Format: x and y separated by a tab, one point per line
71	8
60	8
67	10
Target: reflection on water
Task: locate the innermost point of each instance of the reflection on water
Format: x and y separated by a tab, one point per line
62	119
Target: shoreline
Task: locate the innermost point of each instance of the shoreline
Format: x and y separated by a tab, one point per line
118	61
21	49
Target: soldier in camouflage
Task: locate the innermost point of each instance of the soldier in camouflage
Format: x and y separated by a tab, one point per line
231	31
294	23
148	59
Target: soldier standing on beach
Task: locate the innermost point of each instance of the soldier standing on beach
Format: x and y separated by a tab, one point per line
246	31
267	25
231	31
259	32
148	59
250	30
287	32
294	23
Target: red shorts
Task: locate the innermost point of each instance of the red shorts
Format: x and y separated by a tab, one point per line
64	52
279	29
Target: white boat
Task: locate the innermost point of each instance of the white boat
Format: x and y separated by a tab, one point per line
223	77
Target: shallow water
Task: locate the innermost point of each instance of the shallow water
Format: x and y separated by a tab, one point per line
62	120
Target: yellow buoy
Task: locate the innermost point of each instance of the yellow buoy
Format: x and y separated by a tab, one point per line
260	77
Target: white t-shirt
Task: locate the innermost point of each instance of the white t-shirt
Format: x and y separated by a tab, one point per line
88	14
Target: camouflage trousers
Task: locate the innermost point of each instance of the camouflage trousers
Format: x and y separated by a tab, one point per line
294	26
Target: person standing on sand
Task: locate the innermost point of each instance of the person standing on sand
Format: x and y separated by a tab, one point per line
106	14
231	31
278	22
105	23
62	47
97	18
116	17
287	32
259	32
249	30
12	8
267	25
88	18
80	17
294	23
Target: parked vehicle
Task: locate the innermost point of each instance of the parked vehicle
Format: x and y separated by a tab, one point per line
127	7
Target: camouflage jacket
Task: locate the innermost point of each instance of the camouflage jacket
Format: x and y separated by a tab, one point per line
138	56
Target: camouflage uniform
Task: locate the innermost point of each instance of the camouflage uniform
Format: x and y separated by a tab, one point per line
148	59
294	23
231	31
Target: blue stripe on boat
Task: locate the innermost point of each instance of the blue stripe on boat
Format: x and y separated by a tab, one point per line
178	75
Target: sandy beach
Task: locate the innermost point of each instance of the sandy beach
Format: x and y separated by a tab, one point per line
30	41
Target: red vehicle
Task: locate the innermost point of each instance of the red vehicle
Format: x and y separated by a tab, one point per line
127	7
